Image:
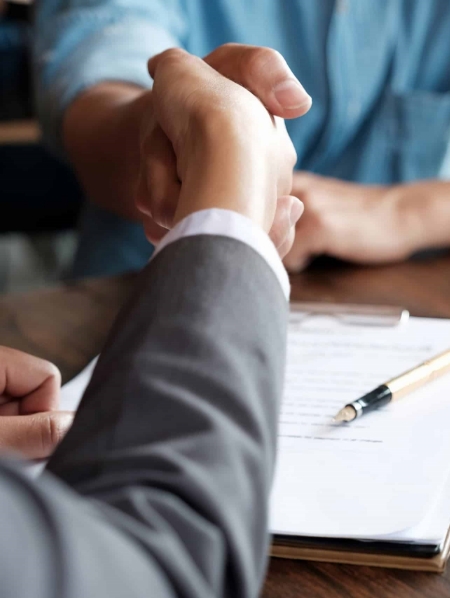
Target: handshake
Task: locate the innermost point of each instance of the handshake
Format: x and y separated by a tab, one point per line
208	142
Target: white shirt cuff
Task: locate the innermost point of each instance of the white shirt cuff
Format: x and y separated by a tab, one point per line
227	223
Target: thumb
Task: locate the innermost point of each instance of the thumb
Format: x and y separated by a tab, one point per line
34	436
266	74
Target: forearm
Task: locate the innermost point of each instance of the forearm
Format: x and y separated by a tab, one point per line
79	50
173	447
423	211
101	138
182	412
71	548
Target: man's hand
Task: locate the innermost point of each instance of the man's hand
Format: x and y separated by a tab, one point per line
227	150
357	223
29	396
109	131
265	73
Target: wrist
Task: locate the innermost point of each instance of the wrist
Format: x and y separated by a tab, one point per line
228	167
424	214
101	135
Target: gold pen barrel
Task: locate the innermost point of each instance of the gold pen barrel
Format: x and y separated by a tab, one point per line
420	375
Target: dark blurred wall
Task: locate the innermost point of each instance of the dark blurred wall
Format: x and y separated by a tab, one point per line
15	88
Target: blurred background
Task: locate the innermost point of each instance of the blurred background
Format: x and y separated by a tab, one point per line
379	75
40	197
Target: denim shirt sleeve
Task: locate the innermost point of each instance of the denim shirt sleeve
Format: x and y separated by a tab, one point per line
80	43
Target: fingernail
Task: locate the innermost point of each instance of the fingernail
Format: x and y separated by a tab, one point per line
291	94
296	212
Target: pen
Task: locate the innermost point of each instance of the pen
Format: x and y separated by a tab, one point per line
396	388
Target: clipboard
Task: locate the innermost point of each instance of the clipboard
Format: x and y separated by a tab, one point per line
401	554
366	554
352	314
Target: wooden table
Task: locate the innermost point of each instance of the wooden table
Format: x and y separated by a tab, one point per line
68	325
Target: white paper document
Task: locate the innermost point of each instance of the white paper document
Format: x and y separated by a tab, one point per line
384	476
71	394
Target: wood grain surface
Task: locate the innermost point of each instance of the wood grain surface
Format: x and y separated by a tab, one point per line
68	325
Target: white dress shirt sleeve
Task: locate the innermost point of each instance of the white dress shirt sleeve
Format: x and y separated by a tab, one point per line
227	223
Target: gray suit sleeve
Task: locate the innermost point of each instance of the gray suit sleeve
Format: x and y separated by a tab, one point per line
161	487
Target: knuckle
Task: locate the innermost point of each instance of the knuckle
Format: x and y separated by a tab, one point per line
220	58
174	53
54	372
226	47
51	432
288	151
171	56
292	155
285	181
257	59
47	432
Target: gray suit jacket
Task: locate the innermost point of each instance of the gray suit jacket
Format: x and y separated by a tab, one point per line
161	487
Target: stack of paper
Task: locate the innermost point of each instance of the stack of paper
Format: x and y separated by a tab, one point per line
384	477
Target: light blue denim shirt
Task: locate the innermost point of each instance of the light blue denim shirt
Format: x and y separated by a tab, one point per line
378	70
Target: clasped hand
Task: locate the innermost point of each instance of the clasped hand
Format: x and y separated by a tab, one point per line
29	397
207	141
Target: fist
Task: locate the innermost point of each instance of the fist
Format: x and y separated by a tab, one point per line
260	70
29	398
